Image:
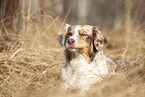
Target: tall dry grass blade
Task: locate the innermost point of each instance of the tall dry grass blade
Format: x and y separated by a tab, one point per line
18	50
6	79
43	33
65	18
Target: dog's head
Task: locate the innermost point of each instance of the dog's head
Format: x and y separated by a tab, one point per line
82	38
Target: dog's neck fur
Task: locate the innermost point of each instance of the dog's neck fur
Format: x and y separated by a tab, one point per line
82	60
81	73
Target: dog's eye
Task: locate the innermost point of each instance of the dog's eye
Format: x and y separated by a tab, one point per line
69	33
83	34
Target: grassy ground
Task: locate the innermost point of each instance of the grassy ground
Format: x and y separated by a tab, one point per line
30	65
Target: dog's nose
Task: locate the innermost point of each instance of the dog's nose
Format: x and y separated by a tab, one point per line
71	41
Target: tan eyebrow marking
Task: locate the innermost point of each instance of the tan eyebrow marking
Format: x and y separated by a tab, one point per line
82	31
72	31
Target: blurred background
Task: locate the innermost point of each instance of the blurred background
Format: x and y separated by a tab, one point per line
111	14
31	58
104	13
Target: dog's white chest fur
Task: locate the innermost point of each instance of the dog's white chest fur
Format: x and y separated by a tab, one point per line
81	73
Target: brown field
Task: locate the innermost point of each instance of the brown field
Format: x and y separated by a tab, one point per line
30	64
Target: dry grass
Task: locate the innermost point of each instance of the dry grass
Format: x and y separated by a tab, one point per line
30	65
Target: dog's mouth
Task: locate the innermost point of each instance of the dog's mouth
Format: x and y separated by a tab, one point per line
74	49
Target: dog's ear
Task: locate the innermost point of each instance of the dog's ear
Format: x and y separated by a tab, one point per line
61	37
98	39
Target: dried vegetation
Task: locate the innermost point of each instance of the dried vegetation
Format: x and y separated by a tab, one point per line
30	64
